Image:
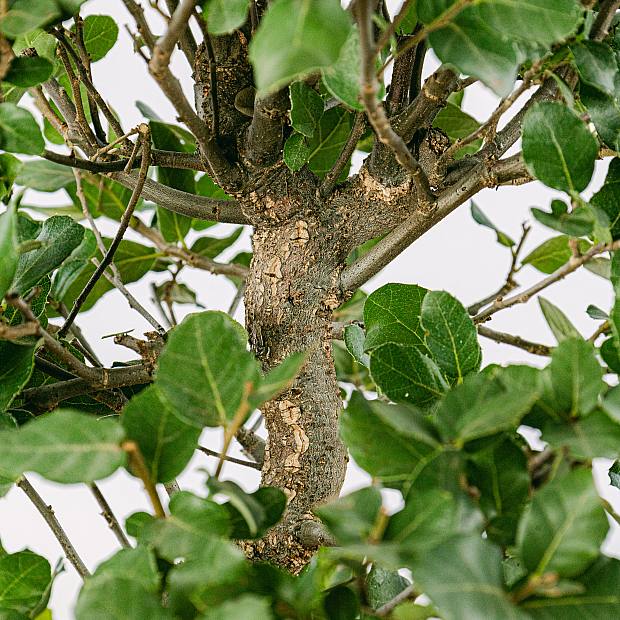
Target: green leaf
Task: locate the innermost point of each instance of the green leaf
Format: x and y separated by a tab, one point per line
342	79
166	442
19	132
552	254
26	71
562	529
73	265
9	255
594	312
576	377
366	430
26	15
405	374
64	446
392	314
306	108
427	519
244	606
278	379
59	236
458	124
463	578
24	580
207	387
577	223
250	514
44	176
296	151
9	169
15	371
212	247
608	197
328	141
596	64
43	43
354	338
614	474
192	522
341	603
558	147
451	335
596	435
558	322
100	34
604	111
500	474
488	403
294	39
483	220
383	585
599	600
225	16
351	518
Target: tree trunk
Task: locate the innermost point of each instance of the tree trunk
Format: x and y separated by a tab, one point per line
292	290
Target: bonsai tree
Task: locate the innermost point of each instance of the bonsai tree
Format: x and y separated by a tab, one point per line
492	523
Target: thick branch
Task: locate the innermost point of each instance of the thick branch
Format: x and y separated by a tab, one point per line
265	133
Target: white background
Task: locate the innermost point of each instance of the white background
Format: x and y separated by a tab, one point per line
457	255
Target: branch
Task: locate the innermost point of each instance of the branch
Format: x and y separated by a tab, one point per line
377	116
124	224
108	515
266	131
386	609
177	26
177	201
572	265
136	462
534	348
231	459
50	518
187	43
252	444
602	23
187	256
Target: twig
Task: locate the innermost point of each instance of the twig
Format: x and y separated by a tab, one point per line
108	147
187	256
187	43
572	265
231	459
602	23
215	110
50	518
234	305
377	116
108	515
534	348
124	224
603	328
386	609
387	34
235	424
176	27
137	463
331	178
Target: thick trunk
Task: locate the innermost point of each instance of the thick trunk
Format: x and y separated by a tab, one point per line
291	293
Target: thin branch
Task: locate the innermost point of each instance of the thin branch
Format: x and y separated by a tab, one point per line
108	515
603	328
572	265
136	461
177	201
253	445
389	32
215	109
187	43
385	610
187	256
602	23
48	515
43	105
331	178
377	116
177	25
234	304
124	224
230	459
534	348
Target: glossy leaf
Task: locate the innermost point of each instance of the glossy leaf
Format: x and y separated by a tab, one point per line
224	16
59	236
328	141
100	33
487	403
558	322
562	529
202	389
15	370
558	148
19	132
24	580
306	108
9	255
26	71
166	442
295	39
64	446
450	334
